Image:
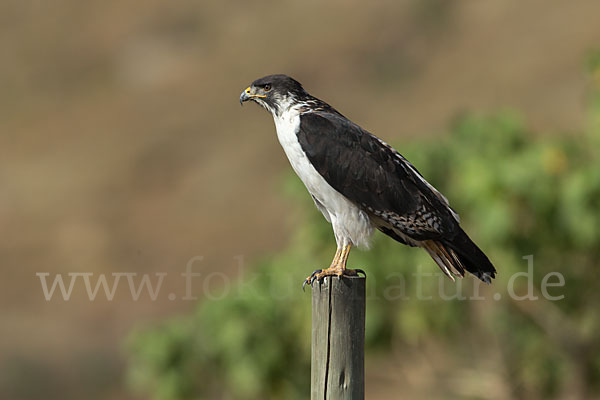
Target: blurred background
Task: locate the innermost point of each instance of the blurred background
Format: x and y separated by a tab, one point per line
123	149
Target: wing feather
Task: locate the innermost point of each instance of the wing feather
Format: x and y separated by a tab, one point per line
374	176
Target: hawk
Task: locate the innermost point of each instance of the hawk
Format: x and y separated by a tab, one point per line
360	183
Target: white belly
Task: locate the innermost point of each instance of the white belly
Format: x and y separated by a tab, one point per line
350	223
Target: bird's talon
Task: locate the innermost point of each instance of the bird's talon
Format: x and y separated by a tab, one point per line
333	272
311	278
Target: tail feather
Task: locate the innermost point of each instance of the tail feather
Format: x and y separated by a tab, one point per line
454	256
445	258
470	256
438	257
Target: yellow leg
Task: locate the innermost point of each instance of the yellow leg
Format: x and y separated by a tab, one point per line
336	257
337	267
341	262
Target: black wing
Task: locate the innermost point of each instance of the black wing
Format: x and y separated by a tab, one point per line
377	178
374	176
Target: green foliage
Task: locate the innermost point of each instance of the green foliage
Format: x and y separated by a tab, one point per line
518	194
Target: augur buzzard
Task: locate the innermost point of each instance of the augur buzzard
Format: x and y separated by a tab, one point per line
359	182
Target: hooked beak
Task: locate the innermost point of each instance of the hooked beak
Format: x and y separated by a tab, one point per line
248	94
245	96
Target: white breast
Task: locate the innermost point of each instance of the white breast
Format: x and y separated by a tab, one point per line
350	224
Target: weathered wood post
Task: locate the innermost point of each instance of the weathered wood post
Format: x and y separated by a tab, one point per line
338	339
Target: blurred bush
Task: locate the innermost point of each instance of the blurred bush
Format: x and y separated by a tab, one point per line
518	194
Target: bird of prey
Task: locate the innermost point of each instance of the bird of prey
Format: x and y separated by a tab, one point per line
359	183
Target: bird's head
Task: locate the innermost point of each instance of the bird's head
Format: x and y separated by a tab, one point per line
276	93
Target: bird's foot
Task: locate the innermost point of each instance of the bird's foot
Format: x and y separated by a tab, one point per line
319	274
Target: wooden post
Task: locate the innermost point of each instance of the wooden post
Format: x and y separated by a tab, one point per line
338	339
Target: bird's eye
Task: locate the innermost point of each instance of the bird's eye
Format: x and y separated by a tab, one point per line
267	87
